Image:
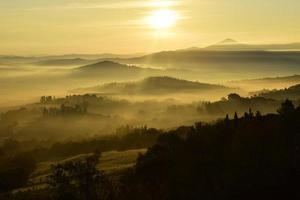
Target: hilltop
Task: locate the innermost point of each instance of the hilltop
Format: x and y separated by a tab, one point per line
108	69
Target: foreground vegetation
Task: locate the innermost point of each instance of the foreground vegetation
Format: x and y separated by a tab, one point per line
253	156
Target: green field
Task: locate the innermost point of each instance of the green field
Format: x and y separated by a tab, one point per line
110	162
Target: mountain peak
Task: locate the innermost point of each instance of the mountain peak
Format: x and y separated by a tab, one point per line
228	41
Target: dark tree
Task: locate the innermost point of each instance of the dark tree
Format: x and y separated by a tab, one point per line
287	108
236	116
15	172
257	114
79	180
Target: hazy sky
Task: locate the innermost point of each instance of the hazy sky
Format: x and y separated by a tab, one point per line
128	26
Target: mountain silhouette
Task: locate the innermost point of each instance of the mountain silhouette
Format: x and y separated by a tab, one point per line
225	58
106	65
228	41
64	62
109	70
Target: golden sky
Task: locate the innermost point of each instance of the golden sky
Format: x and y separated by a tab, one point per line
130	26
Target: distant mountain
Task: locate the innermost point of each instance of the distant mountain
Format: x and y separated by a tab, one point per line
156	85
94	56
47	60
106	65
233	45
64	62
294	78
267	83
239	60
292	93
230	45
18	59
228	41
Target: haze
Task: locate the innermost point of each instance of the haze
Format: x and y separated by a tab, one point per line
149	99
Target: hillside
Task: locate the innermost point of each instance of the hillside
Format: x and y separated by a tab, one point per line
292	93
156	85
106	65
110	162
109	70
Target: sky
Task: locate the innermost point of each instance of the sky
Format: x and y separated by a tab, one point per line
38	27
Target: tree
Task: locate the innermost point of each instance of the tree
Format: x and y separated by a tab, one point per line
246	115
258	114
287	108
227	118
236	116
198	125
45	112
60	182
78	179
251	115
234	97
15	172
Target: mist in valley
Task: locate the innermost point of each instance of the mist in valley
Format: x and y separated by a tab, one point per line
114	93
152	100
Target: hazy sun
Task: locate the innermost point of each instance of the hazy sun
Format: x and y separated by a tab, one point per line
162	19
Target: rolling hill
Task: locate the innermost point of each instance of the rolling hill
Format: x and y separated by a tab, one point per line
113	70
292	93
224	65
64	62
105	65
219	58
52	59
156	86
268	83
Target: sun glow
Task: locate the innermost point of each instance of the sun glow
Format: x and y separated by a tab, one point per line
162	19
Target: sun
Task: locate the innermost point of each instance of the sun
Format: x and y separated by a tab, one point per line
162	19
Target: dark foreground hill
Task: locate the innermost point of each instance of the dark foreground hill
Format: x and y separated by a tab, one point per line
253	157
248	157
